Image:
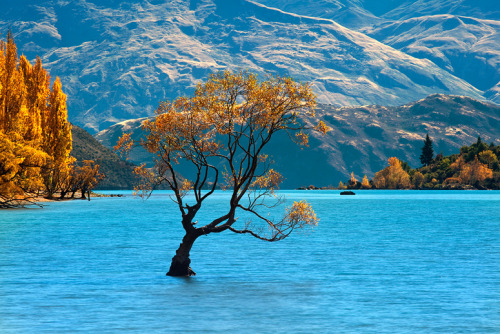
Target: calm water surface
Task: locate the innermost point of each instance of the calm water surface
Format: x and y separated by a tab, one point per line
379	262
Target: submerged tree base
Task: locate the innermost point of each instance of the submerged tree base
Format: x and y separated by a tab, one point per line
181	269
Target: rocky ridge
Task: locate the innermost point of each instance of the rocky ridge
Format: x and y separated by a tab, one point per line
118	59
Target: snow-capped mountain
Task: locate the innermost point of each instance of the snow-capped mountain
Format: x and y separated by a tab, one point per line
118	59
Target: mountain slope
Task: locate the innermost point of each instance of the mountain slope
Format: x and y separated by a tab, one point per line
118	173
482	9
466	47
349	13
363	138
118	59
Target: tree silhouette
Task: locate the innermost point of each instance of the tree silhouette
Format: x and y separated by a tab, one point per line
427	152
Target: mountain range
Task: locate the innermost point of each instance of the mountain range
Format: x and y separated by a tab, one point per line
363	138
118	59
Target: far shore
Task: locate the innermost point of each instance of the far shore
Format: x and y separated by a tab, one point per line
40	200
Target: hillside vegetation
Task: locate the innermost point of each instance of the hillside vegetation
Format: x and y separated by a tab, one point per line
475	167
363	138
118	173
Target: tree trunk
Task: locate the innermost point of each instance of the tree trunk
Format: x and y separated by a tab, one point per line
180	262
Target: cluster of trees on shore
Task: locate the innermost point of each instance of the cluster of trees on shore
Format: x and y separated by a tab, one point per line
35	135
475	167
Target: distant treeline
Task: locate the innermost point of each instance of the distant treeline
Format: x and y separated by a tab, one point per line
475	167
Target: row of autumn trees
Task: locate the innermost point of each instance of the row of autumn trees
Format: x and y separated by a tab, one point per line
35	135
476	167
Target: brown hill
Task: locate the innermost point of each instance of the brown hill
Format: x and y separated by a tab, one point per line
363	138
118	173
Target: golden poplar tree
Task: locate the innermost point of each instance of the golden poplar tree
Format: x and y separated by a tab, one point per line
352	181
56	139
13	91
36	81
35	136
19	160
365	183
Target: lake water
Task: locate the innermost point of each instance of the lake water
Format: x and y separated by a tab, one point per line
379	262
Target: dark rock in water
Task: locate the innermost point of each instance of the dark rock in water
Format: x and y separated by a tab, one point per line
347	193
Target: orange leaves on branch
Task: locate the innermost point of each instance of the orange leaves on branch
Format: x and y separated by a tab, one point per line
217	138
271	180
148	181
322	127
301	214
185	187
124	145
263	157
302	138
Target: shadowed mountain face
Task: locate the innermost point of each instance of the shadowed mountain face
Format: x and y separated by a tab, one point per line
118	173
363	138
118	59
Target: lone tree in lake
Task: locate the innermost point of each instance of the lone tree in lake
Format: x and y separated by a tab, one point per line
427	152
216	139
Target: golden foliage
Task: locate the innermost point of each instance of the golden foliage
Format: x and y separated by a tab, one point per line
148	180
365	183
473	172
271	180
124	145
216	139
352	181
322	127
301	214
392	177
302	138
87	177
34	132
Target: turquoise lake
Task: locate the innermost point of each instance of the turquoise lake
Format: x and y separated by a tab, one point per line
378	262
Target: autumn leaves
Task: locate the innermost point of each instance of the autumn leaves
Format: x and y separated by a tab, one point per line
35	135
